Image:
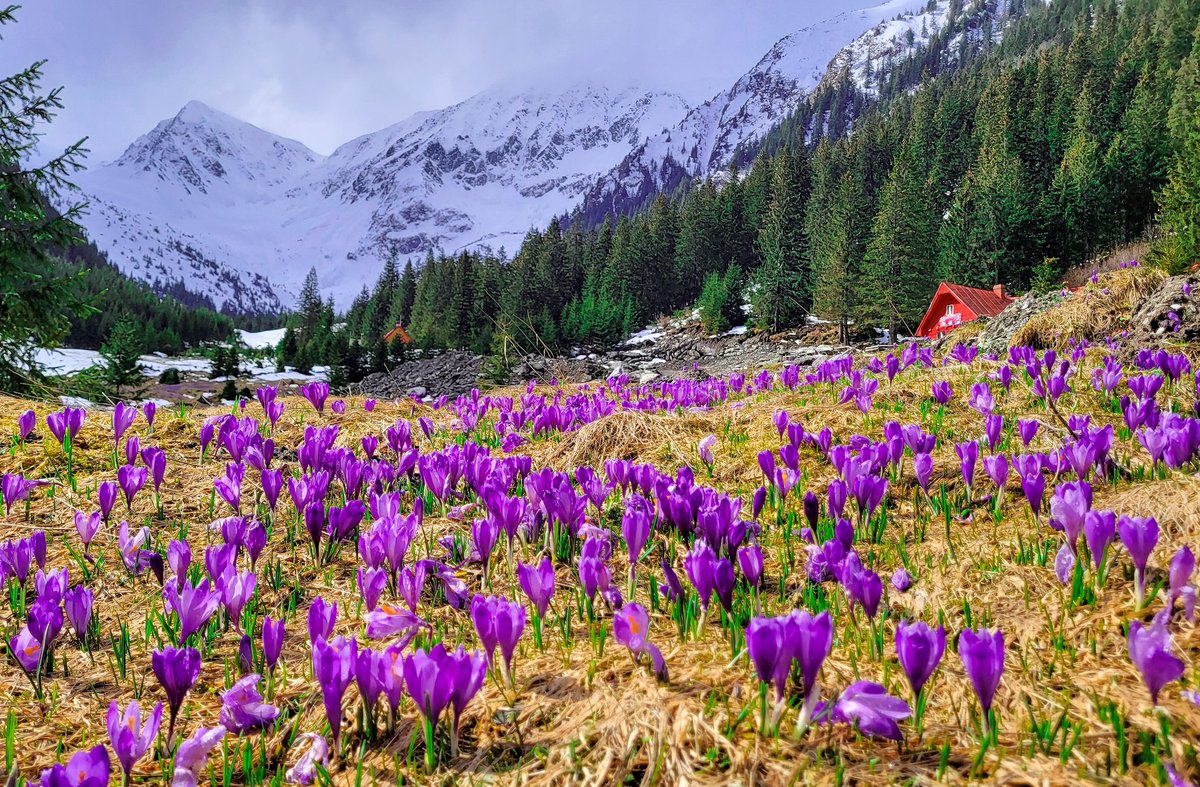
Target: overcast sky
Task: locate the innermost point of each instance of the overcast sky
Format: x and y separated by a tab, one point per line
325	71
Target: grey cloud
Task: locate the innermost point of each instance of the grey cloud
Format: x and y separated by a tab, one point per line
324	72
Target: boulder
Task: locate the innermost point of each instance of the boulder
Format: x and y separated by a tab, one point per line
1168	315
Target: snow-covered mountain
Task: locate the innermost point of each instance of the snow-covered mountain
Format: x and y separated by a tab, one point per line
240	214
705	140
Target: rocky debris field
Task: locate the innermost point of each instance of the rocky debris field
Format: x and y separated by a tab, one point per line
449	373
649	356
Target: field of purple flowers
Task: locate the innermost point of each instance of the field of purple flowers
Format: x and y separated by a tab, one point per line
902	568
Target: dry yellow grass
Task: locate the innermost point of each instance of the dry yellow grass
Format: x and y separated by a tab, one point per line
1094	312
586	718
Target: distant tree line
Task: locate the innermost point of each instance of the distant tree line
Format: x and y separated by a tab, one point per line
160	322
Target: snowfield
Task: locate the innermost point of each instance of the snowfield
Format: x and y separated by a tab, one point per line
67	361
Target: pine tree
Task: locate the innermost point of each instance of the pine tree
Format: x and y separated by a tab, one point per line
122	351
406	293
310	307
1079	189
834	224
1180	247
782	285
899	265
37	301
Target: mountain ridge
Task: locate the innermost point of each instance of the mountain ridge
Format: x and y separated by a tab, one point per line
241	214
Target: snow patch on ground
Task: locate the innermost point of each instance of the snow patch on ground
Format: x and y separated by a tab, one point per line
262	340
647	335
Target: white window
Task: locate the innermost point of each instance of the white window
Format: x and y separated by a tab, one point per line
950	310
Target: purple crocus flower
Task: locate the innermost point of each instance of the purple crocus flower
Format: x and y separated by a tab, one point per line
870	709
27	649
968	455
863	586
1150	652
1064	564
430	682
1099	530
981	399
156	462
982	654
923	469
106	496
1140	536
1027	429
671	588
333	668
631	624
469	669
941	392
129	736
1179	575
192	757
65	424
919	649
996	468
770	646
305	770
538	583
236	588
14	488
194	605
177	670
811	638
25	423
122	418
52	585
243	708
179	558
131	479
87	526
132	446
484	534
272	642
89	768
373	674
316	393
37	546
700	565
901	579
45	621
149	409
750	561
389	621
1068	507
321	618
371	584
757	502
635	525
498	622
78	602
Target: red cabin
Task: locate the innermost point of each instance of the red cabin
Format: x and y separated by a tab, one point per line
954	304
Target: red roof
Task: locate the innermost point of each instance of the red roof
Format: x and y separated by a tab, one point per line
971	304
985	303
